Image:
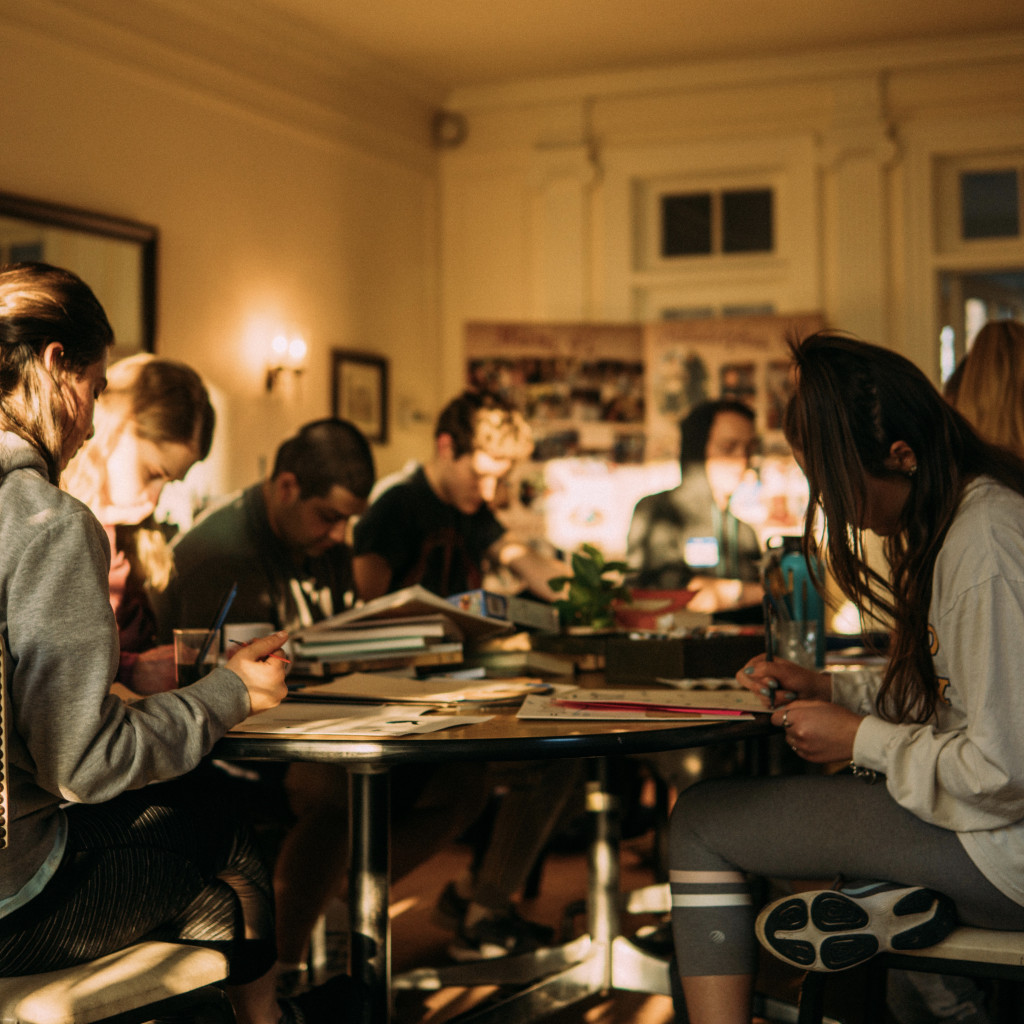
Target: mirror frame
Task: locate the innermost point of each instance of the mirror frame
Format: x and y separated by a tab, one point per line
89	222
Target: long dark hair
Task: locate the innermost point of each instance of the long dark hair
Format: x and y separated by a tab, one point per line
852	401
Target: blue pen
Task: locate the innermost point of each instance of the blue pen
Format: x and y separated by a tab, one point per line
218	622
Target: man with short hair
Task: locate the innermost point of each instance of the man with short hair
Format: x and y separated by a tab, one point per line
436	529
688	536
281	540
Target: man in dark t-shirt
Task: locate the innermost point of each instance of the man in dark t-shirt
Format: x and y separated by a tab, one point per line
436	529
445	548
283	542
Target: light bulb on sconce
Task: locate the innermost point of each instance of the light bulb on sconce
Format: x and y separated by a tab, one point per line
287	355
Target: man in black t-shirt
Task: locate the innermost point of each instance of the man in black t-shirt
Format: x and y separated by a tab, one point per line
436	528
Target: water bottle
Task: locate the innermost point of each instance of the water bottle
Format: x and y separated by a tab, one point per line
804	600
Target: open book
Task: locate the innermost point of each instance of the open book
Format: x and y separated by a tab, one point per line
414	601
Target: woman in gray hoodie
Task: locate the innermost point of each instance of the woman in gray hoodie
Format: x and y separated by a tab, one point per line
96	857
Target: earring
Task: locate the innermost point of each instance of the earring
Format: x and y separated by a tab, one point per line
911	470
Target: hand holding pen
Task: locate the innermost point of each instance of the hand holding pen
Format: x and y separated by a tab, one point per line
780	682
239	644
262	670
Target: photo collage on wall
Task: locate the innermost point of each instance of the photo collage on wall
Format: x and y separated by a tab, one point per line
605	401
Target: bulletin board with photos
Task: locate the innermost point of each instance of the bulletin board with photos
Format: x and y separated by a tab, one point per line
605	400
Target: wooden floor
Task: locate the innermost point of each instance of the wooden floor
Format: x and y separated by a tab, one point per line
418	942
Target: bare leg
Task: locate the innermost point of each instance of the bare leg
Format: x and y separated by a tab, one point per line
719	998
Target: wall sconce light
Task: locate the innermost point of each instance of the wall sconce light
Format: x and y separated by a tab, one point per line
287	355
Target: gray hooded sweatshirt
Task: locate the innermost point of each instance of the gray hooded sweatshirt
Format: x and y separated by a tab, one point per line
69	739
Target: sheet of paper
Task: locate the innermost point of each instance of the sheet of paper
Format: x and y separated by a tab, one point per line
729	702
369	686
718	699
701	683
359	720
545	707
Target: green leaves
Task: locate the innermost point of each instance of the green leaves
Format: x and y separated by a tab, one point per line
591	595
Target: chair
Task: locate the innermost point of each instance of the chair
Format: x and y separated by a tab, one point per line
139	983
968	952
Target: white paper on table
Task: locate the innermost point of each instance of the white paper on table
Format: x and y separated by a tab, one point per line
359	720
544	707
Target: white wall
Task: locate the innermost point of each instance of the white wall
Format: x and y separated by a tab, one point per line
311	210
296	188
541	201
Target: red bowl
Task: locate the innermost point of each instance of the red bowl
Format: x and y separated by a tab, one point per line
648	608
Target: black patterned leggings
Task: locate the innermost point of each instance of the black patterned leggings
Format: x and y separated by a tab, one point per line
164	862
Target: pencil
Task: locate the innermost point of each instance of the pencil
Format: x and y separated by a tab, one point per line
768	654
269	657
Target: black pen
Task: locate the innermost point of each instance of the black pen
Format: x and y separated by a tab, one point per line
768	655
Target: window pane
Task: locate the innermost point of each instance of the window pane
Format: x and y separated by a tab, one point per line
747	221
686	225
990	204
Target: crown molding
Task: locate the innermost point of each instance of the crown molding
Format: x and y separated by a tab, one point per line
253	58
754	71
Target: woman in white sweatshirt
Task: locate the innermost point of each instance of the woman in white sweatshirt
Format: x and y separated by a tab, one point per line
927	827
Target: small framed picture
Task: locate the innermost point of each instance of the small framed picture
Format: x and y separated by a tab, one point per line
359	392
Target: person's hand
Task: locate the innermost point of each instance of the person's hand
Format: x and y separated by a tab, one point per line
714	594
262	670
818	731
779	681
153	671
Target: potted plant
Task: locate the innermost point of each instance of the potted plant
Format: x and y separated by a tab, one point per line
594	588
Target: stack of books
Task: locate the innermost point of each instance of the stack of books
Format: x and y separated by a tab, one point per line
409	628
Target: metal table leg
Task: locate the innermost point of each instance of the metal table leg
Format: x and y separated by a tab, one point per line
563	975
369	887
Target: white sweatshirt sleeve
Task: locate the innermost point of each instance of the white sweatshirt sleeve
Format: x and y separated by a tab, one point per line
965	770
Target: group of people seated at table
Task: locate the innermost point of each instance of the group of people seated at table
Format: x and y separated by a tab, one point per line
118	828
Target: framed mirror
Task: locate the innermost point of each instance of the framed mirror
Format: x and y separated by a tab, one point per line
114	256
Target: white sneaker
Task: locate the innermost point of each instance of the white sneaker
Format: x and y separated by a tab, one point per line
835	929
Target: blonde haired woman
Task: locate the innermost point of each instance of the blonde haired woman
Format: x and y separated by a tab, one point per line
990	395
153	422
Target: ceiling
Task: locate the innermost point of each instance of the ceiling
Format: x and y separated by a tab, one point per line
452	44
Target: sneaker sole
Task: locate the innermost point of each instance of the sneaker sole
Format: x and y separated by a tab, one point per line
829	931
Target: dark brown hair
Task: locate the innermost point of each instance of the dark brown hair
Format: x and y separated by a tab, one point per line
852	401
41	305
326	453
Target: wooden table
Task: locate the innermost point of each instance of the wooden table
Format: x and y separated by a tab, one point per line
551	978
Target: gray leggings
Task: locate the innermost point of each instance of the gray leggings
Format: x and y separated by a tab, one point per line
805	827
